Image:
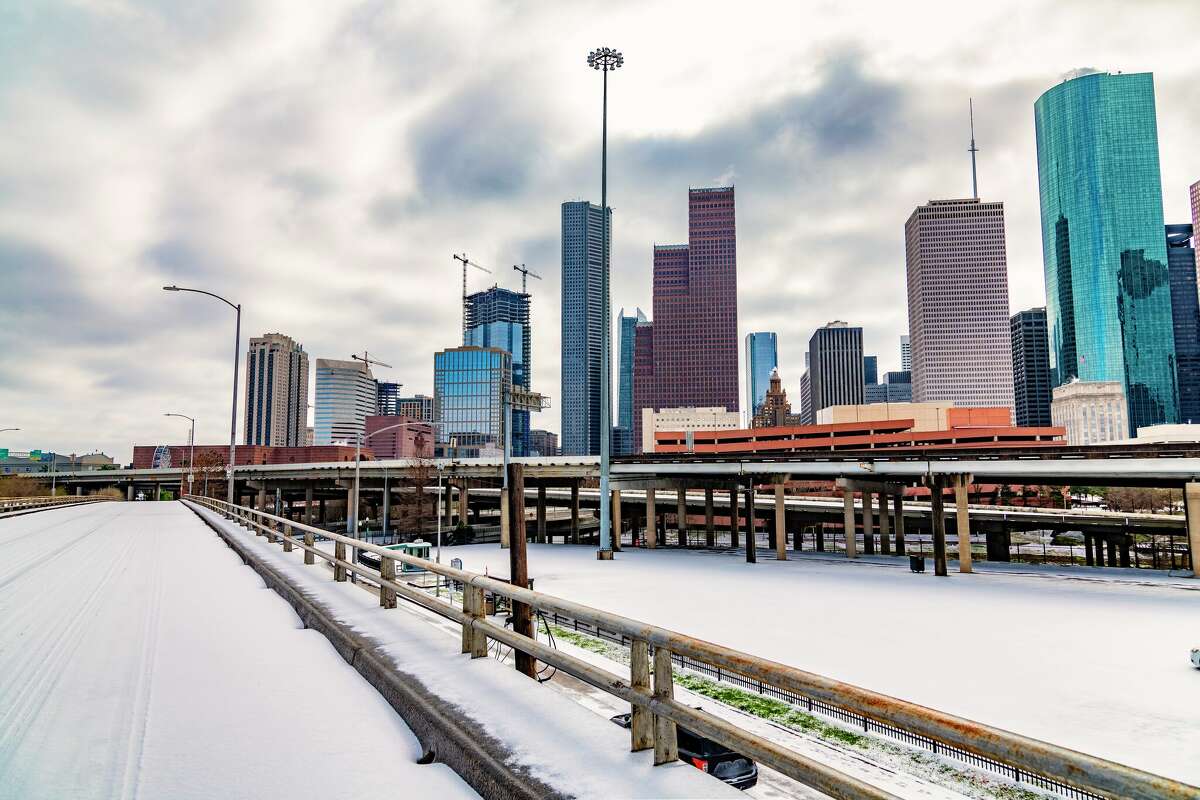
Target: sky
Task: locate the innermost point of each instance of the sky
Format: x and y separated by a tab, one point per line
319	163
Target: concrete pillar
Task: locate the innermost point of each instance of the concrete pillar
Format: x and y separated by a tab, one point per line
710	532
1088	557
733	517
780	524
962	520
350	511
321	511
79	491
898	510
129	492
158	491
541	515
885	528
505	502
820	544
751	539
868	518
651	521
308	503
848	522
1111	541
575	512
616	520
464	504
939	527
1126	539
681	516
1098	547
1191	505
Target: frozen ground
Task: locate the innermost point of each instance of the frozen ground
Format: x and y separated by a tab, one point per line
1098	666
140	658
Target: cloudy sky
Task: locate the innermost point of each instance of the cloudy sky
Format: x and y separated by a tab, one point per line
319	162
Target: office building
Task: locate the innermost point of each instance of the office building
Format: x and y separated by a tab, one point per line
806	410
870	369
543	443
1031	368
958	303
276	391
500	318
623	432
469	386
417	406
345	397
905	354
387	398
835	366
762	357
584	325
1185	317
775	410
413	439
1091	411
1108	299
685	421
643	376
940	416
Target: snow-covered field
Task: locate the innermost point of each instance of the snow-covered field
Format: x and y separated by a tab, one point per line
140	658
1098	666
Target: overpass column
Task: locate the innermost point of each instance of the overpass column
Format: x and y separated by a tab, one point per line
780	524
541	515
308	502
751	539
885	528
1191	507
575	511
733	517
710	533
505	504
158	491
938	526
1112	549
962	520
868	517
681	516
848	521
464	504
651	522
321	511
79	490
129	491
616	519
898	508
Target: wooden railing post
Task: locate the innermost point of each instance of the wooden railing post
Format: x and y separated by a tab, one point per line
474	641
270	532
311	541
287	538
387	571
666	748
339	553
641	721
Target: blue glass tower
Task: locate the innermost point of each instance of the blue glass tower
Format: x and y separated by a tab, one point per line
762	356
1185	305
1108	298
623	433
583	325
499	318
468	397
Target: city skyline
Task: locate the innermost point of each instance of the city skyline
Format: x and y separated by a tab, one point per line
242	189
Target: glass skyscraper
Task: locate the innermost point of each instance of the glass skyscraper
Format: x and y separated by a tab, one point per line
583	325
762	356
1108	298
469	384
1031	368
345	397
623	433
1185	312
500	318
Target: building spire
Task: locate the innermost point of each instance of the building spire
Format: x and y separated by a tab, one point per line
973	150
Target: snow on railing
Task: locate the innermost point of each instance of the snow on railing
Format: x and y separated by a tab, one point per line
655	711
24	503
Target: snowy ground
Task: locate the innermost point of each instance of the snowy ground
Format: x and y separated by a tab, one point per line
140	658
1099	666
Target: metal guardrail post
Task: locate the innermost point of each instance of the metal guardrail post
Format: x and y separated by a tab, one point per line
666	749
310	541
387	571
641	721
339	553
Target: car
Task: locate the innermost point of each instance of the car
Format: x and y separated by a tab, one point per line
716	759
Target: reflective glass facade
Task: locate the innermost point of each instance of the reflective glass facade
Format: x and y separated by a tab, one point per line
1185	312
1108	299
762	356
1031	368
500	318
469	384
584	325
623	431
345	397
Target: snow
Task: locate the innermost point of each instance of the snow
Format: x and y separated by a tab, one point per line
139	657
1096	665
565	745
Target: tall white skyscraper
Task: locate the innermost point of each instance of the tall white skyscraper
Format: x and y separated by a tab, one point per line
276	391
345	397
958	303
905	354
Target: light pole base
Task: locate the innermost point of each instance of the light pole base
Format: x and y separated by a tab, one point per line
604	555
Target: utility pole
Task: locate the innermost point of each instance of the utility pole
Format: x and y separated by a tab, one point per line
525	273
466	262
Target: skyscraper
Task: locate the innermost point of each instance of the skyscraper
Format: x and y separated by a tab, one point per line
500	318
695	308
276	391
835	366
1031	368
345	397
643	376
1185	314
419	406
469	384
762	356
627	326
1108	299
387	398
870	369
958	303
583	325
905	354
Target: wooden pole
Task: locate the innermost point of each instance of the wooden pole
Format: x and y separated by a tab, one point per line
751	539
518	563
780	524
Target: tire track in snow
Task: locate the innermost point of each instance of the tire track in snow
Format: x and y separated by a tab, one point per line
37	561
140	711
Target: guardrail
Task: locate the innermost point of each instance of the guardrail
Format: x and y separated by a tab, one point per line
24	503
655	711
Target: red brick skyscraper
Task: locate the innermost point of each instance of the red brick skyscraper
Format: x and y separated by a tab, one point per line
695	309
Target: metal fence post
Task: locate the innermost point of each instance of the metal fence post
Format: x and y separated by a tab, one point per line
387	571
339	553
666	749
311	541
641	721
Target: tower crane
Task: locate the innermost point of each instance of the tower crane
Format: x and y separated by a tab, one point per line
466	262
368	361
525	273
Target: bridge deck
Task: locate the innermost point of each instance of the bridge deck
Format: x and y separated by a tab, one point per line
138	657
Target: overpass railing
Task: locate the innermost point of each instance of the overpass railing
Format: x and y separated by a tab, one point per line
25	503
656	712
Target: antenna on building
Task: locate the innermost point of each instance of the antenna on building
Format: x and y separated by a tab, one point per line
466	263
973	150
525	273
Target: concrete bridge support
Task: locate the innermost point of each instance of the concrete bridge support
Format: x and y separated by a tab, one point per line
848	521
733	517
937	512
651	521
710	532
868	518
615	538
681	516
885	528
751	538
780	524
129	492
575	512
540	536
1191	505
962	520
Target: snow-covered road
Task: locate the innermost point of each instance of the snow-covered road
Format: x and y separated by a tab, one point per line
140	658
1097	666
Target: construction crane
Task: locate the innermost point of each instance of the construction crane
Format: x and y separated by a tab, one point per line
525	273
466	262
368	361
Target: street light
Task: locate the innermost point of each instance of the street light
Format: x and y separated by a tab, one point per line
237	352
2	430
191	448
605	59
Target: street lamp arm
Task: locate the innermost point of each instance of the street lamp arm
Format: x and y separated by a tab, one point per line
182	416
174	288
401	425
2	430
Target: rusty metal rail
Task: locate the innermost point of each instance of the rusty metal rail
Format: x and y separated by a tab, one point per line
8	504
656	712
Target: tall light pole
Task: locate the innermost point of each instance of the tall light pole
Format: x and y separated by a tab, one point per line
605	59
191	448
237	354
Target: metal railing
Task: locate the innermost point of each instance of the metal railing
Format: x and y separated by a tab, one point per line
24	503
655	711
